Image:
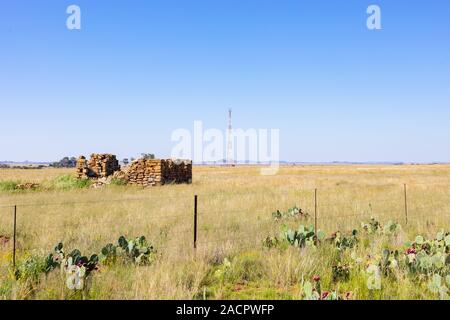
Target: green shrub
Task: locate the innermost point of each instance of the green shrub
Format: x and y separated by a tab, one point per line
6	289
294	212
118	182
70	182
8	185
31	269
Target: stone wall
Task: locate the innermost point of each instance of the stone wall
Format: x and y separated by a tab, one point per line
143	172
99	166
179	171
155	172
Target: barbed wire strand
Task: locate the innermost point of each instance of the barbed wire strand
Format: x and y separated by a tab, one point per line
213	195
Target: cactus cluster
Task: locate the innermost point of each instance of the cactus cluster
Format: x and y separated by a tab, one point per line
389	261
55	258
374	277
313	291
344	241
374	227
271	242
294	212
423	259
77	268
108	255
439	285
137	250
340	272
34	266
429	256
302	237
391	228
371	227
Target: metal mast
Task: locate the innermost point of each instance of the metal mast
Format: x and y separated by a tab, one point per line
230	140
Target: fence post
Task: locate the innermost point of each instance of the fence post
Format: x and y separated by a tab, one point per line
14	237
315	211
406	203
195	222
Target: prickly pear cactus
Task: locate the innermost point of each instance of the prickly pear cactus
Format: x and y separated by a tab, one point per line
343	241
429	256
374	277
391	228
340	272
294	212
309	292
372	227
78	268
437	285
303	236
138	250
108	254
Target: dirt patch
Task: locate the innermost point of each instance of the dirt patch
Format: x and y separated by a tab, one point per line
4	240
239	287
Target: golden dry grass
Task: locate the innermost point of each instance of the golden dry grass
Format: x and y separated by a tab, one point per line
235	206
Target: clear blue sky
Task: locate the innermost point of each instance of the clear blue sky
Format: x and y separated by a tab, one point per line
137	70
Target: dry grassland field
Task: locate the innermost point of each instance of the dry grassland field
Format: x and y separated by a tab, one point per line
241	251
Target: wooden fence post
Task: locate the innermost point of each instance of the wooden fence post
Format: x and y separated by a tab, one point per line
14	237
315	211
406	203
195	221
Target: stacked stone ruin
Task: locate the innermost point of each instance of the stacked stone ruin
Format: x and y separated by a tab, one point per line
143	172
156	172
99	166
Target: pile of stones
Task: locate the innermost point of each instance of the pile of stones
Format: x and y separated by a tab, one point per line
143	172
99	166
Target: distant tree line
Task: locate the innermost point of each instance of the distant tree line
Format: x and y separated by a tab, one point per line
65	162
146	156
71	162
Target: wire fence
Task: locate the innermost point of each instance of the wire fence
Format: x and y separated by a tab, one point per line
204	220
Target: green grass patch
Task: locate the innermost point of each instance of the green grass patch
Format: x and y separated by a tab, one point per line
67	182
232	277
8	185
118	182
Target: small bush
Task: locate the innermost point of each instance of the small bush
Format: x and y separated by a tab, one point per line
294	212
69	182
31	269
8	185
118	182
